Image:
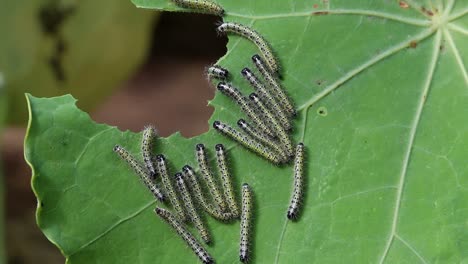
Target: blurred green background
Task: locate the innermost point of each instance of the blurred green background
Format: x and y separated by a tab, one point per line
127	67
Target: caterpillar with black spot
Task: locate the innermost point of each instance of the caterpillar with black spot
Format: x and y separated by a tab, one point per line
247	141
194	186
237	96
140	171
274	86
149	134
297	194
173	198
202	6
191	241
274	125
255	37
226	179
268	98
263	139
217	72
245	225
190	207
208	176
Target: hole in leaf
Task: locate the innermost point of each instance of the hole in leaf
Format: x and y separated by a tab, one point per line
322	111
171	90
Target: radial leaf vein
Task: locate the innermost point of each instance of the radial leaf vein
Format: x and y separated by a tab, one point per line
456	53
409	148
390	51
360	12
105	232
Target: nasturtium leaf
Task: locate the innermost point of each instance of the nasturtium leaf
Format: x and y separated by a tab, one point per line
88	42
381	89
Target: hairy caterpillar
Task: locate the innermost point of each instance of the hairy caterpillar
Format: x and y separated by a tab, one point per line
247	141
208	176
202	6
190	175
274	86
279	130
297	194
191	241
226	180
140	171
256	38
149	134
245	225
263	139
162	168
217	72
237	96
269	99
189	206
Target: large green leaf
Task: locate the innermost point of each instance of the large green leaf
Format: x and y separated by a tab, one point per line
104	41
382	93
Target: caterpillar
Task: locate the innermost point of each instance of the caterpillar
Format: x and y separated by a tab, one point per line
149	134
245	225
208	176
267	97
162	168
297	194
279	130
191	241
217	72
263	139
202	6
226	180
256	38
274	86
247	141
141	172
189	206
237	96
190	175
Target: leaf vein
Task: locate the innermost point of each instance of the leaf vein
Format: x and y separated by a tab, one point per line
409	148
410	21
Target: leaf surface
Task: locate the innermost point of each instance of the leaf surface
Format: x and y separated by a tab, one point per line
382	94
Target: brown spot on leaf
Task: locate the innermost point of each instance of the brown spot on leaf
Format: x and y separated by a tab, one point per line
315	6
426	11
413	44
403	4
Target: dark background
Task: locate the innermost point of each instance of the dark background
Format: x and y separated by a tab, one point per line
169	90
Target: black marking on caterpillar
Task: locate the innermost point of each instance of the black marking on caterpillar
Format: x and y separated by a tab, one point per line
202	6
256	38
245	225
283	136
190	207
263	139
162	169
141	172
217	72
194	186
180	229
297	194
237	96
208	176
226	180
149	135
274	85
247	141
268	98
